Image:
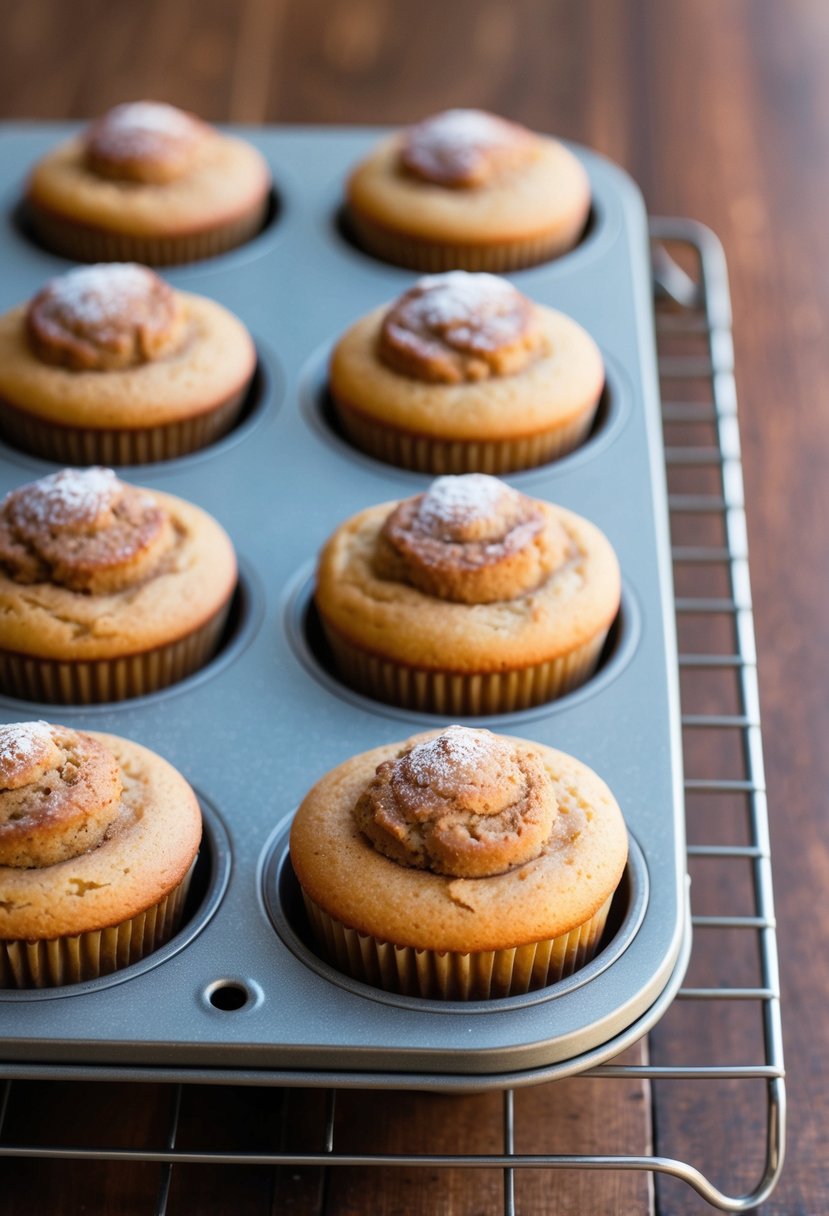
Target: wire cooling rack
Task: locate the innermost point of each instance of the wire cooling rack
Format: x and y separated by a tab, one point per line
733	972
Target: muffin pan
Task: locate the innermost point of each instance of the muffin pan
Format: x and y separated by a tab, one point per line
241	987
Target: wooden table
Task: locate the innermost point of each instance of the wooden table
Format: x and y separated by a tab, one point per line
716	110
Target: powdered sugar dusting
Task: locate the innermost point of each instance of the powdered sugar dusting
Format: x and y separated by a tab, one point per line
71	496
457	755
23	742
454	130
152	117
463	499
101	294
449	298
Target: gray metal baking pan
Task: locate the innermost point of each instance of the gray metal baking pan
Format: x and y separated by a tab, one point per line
240	991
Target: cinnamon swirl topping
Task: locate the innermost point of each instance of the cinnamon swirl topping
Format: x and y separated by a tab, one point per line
471	539
462	149
84	530
144	141
460	327
466	803
60	794
104	318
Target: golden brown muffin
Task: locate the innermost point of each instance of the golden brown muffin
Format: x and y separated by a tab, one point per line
464	374
108	364
467	190
459	864
97	840
106	590
148	183
471	598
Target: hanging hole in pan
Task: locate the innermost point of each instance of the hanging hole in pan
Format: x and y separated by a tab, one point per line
309	642
230	995
286	908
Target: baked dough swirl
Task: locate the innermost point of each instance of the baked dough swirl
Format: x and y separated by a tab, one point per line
60	793
105	318
464	149
471	539
460	328
144	141
467	804
85	530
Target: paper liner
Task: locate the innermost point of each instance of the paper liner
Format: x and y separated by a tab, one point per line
87	683
435	257
70	960
440	456
457	693
477	976
85	243
80	446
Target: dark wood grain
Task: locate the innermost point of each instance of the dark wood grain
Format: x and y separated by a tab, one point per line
718	111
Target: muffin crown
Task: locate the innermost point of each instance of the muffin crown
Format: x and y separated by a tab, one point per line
85	530
459	327
104	318
467	804
59	794
463	149
144	141
471	539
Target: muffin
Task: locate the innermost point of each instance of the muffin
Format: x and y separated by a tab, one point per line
98	837
459	864
470	191
464	374
148	183
468	599
109	364
106	590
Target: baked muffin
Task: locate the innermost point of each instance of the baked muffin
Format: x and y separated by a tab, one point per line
468	190
148	183
469	599
109	364
98	837
106	590
464	374
461	864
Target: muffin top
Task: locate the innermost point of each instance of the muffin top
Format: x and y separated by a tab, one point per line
464	149
460	840
104	318
94	829
94	568
85	530
471	576
144	141
471	539
59	794
458	327
465	803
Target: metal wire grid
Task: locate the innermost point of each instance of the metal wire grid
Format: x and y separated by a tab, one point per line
690	303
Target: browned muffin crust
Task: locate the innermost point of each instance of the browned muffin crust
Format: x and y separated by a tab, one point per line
471	540
465	804
59	794
105	317
463	149
84	530
458	328
144	141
